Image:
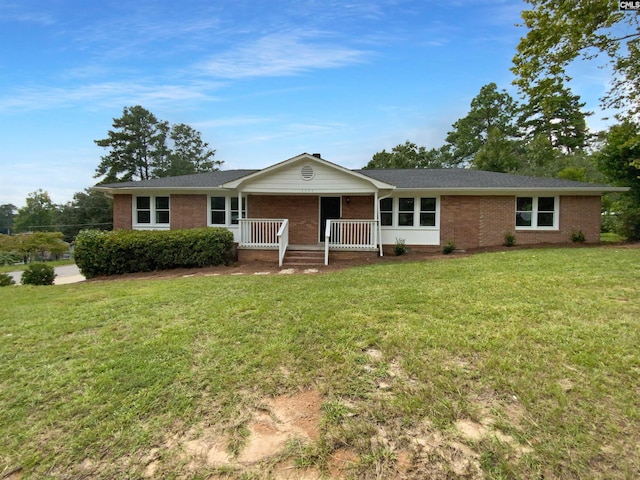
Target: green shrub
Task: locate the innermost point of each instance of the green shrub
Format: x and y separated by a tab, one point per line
448	248
9	258
577	237
400	247
509	239
630	224
6	280
126	251
38	274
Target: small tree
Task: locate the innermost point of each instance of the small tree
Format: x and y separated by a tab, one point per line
30	244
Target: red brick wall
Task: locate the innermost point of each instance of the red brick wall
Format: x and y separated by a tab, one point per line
468	221
358	208
188	211
481	221
251	255
122	212
302	211
475	221
577	213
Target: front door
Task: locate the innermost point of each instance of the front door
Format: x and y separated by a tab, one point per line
329	210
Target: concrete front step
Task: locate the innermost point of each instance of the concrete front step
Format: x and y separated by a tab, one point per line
303	258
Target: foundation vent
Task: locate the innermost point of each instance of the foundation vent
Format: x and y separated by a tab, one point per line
307	172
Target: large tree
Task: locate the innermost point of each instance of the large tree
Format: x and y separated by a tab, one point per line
619	157
137	145
619	160
39	214
498	153
559	32
410	155
139	150
87	210
7	213
554	112
190	154
491	111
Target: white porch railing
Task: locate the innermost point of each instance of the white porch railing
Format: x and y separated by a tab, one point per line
350	235
283	240
260	232
339	235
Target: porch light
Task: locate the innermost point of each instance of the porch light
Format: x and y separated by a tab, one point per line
348	199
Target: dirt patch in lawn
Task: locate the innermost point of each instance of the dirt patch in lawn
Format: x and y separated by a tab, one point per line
272	425
278	429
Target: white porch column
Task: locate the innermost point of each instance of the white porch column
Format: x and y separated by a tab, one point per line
376	209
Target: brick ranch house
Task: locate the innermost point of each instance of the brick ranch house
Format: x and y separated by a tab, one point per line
306	203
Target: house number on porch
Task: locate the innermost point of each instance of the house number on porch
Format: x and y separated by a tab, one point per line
307	190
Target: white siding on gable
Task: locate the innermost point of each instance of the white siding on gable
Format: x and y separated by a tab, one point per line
308	177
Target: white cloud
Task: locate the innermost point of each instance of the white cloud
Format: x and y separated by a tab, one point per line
103	94
280	55
16	12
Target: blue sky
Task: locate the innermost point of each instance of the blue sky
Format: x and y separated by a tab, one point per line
262	80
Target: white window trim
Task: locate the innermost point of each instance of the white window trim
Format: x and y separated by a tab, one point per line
227	211
534	214
152	225
395	213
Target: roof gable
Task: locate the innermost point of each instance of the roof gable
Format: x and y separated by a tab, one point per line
307	173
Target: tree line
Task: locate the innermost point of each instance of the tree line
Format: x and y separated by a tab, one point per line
546	134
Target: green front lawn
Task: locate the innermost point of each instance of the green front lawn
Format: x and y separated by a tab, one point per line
518	364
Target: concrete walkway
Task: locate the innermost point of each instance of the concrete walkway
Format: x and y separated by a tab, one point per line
65	274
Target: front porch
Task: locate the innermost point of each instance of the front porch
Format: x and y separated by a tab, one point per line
268	240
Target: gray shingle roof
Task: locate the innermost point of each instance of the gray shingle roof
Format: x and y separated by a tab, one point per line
453	178
459	178
197	180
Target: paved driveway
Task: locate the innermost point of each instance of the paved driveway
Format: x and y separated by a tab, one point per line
64	274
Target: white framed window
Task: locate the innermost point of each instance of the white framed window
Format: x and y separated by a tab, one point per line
409	212
218	215
223	210
406	211
427	212
537	213
235	213
152	211
386	212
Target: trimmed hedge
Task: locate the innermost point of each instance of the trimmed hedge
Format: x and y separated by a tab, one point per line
99	252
